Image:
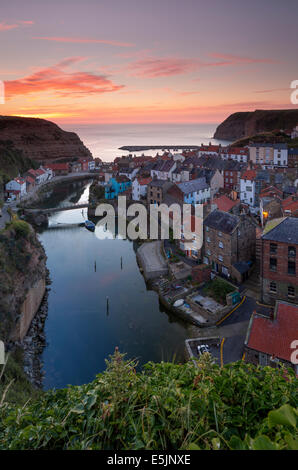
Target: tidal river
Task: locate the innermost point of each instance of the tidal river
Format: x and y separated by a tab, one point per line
80	330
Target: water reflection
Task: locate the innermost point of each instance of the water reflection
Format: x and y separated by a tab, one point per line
99	300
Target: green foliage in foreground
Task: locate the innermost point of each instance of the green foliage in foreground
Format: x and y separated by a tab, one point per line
166	406
14	385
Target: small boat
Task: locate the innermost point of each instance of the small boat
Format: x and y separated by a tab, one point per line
178	303
90	225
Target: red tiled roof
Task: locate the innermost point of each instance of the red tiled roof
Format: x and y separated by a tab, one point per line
224	203
40	172
20	180
30	180
32	172
270	190
274	337
59	166
144	181
249	175
290	205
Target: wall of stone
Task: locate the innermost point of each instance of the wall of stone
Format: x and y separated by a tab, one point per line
28	310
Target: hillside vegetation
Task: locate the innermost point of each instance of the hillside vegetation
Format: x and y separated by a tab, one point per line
13	162
275	137
165	406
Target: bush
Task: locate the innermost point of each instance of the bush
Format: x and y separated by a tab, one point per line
165	406
218	290
21	228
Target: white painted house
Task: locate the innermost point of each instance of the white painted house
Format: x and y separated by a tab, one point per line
280	155
248	187
139	188
91	165
18	184
163	170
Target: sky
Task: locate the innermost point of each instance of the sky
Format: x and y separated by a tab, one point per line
146	61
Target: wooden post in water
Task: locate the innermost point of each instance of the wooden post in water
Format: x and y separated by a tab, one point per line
121	263
108	308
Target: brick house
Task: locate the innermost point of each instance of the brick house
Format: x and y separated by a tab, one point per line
293	158
268	340
229	244
59	169
279	249
231	175
157	190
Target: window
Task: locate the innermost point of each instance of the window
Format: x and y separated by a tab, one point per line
272	288
208	239
273	264
291	252
219	234
208	252
207	229
273	248
220	244
220	258
291	268
291	291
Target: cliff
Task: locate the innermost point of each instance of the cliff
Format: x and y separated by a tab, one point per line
41	140
12	162
20	294
245	124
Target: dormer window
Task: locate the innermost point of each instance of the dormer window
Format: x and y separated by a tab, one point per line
291	252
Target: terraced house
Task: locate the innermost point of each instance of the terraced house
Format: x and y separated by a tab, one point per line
229	244
195	191
279	250
116	186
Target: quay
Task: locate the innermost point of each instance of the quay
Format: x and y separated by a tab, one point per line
139	148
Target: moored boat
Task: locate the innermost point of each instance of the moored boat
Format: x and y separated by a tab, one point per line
90	225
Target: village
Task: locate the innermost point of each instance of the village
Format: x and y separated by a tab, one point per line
245	273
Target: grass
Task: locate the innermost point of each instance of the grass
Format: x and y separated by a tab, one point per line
14	385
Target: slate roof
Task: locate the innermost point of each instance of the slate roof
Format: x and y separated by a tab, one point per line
275	337
242	266
159	183
204	172
286	231
163	165
193	185
222	221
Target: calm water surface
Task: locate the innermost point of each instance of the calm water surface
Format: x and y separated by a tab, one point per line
104	140
84	270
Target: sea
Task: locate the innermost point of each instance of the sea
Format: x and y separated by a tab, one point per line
104	140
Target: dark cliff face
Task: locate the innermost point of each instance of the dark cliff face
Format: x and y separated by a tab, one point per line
22	265
245	124
41	140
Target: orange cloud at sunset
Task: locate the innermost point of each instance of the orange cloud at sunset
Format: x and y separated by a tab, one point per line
6	27
56	79
152	67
